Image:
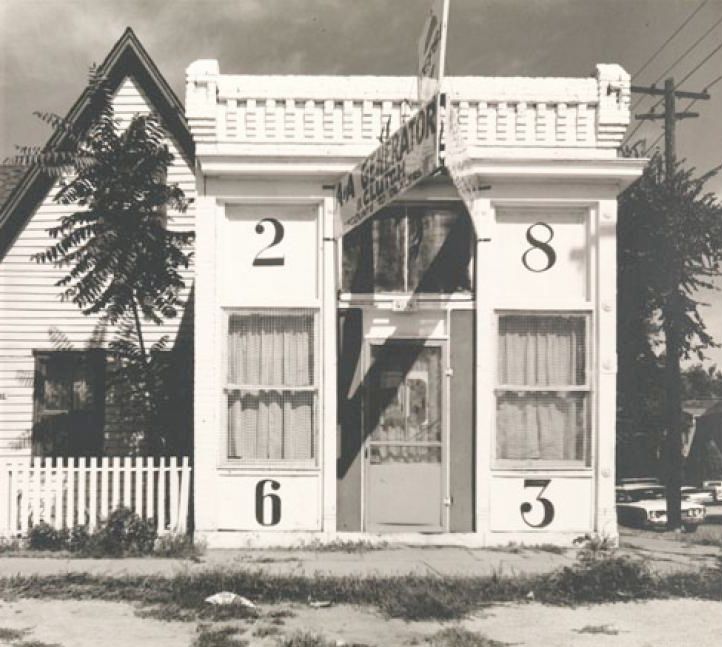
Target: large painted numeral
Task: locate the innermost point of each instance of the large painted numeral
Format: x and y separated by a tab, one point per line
263	257
262	497
526	507
541	246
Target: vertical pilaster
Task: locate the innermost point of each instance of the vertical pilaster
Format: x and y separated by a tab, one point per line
328	328
605	509
483	219
207	352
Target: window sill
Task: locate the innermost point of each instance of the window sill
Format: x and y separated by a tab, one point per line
268	466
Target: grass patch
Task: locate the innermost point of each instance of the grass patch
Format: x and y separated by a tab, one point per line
411	597
343	546
607	630
35	643
266	630
11	635
218	637
305	639
460	637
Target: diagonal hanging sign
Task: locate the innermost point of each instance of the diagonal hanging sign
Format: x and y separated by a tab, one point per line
402	160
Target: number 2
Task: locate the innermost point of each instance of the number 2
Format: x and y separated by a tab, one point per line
526	507
263	258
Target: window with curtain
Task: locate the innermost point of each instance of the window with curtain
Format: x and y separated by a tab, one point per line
272	390
409	248
543	391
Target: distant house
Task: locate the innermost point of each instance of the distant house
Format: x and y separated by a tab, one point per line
53	366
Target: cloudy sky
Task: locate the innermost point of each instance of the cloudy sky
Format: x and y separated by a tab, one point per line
46	47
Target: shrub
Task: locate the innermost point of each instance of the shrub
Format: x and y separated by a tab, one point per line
78	539
123	533
42	536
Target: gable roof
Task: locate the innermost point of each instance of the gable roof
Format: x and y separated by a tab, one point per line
10	176
127	58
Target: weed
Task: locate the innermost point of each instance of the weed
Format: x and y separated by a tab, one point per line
607	630
266	630
10	544
460	637
11	635
179	546
222	637
35	643
344	546
304	639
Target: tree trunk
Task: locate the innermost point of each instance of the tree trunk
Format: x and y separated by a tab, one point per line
674	415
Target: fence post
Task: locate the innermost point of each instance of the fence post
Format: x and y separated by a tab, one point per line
126	482
184	494
59	469
104	487
150	471
35	487
173	494
82	507
115	482
23	468
70	494
161	494
93	512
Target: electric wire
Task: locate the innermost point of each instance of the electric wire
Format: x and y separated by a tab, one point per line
666	42
687	107
679	59
660	101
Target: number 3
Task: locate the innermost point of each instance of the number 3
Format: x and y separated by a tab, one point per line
526	507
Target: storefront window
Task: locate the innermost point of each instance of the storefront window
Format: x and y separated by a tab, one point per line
409	249
542	405
272	388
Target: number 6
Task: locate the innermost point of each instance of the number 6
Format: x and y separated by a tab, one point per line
261	499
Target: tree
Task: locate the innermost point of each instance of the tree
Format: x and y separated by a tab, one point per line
670	247
699	382
121	260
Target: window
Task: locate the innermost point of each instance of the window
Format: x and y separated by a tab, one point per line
409	249
543	393
69	394
272	385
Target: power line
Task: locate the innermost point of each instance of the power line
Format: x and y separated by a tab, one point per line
679	59
686	108
687	76
666	42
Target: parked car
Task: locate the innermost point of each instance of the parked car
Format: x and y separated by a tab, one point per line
645	506
696	495
715	487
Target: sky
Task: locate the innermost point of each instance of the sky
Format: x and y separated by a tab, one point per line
47	46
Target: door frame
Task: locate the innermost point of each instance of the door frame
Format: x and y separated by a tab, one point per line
443	344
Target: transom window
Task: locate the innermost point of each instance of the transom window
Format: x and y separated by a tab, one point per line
272	385
406	248
543	390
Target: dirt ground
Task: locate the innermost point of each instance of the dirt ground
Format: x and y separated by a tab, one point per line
659	623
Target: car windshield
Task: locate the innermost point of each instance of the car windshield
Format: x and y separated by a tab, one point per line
646	494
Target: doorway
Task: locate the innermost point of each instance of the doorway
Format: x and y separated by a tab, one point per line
404	453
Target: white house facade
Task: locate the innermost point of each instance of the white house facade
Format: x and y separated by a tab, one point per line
448	368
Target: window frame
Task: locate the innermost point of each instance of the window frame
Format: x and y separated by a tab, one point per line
588	388
226	461
96	367
456	206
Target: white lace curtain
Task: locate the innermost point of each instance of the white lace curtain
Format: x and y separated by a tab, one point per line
272	394
543	423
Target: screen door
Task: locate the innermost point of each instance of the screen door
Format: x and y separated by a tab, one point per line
404	446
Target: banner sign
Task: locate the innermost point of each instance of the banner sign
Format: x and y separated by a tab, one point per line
407	156
432	50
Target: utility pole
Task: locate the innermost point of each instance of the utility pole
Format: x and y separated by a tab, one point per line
673	310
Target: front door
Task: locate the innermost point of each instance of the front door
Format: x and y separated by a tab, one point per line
404	449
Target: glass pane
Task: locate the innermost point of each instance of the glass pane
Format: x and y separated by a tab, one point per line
271	349
388	251
271	425
439	250
542	350
545	426
405	393
384	454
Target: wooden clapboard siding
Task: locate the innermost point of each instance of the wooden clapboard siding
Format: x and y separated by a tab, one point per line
32	317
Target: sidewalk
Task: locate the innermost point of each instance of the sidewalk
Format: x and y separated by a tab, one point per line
662	554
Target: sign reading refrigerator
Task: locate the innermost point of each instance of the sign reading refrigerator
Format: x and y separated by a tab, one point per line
432	48
402	160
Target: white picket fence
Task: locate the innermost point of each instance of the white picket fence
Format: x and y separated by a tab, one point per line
70	491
